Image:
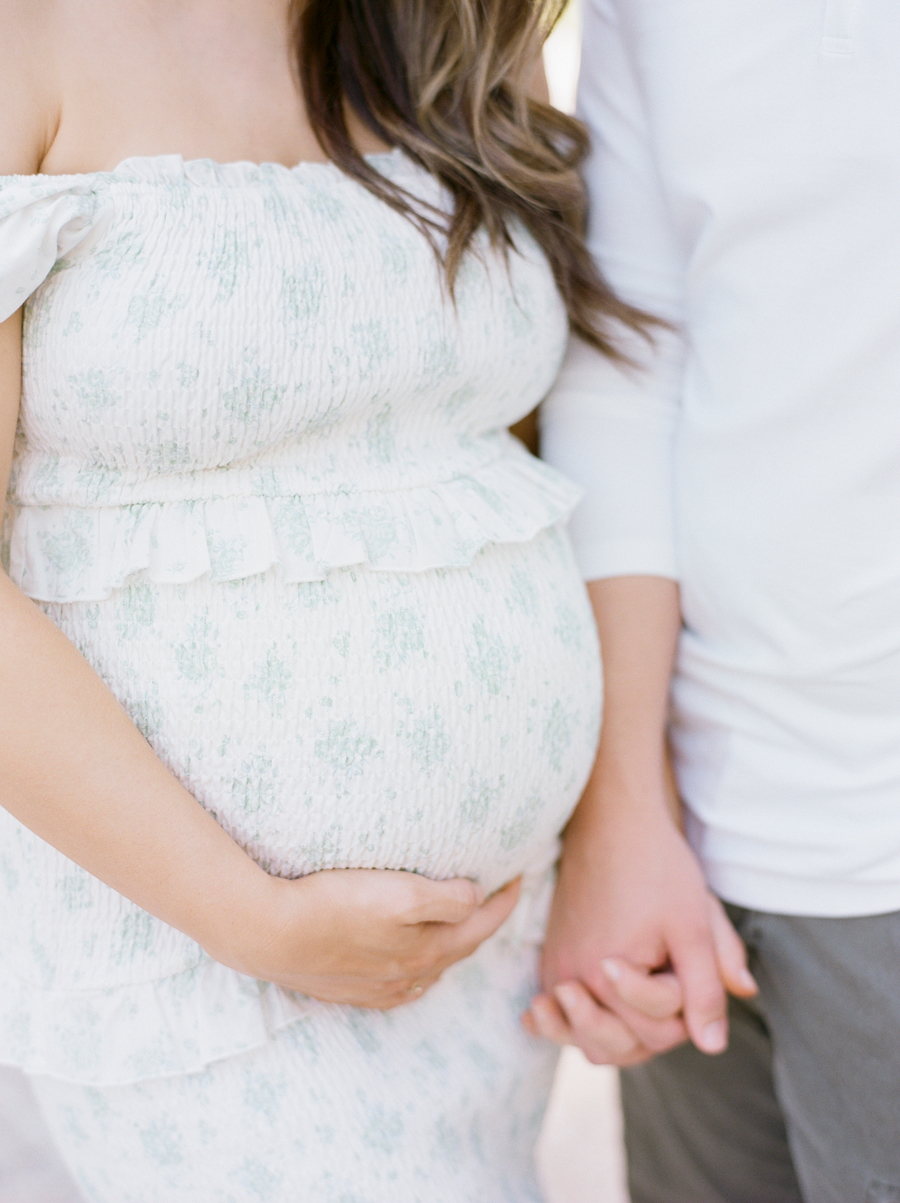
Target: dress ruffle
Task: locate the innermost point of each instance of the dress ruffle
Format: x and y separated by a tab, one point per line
65	554
174	1025
185	1022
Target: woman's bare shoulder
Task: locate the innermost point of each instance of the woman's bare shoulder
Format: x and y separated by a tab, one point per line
28	106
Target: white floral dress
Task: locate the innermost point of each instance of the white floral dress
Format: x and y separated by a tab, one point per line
262	480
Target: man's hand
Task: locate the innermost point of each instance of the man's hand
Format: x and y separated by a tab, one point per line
635	924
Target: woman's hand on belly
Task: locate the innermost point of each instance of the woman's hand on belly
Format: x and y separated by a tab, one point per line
366	937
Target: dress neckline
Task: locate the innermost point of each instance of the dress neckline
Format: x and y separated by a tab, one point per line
206	170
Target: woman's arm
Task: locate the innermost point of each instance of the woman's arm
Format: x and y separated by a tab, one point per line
77	772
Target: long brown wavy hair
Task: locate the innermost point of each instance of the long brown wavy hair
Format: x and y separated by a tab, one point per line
447	82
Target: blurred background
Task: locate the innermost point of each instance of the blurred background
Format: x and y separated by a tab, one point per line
580	1155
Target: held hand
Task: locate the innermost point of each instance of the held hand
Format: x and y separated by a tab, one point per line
630	901
570	1014
369	938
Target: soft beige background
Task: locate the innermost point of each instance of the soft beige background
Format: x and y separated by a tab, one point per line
580	1154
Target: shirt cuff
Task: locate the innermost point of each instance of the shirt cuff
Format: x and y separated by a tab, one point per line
598	559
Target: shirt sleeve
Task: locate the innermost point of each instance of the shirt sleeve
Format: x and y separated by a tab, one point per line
42	219
612	428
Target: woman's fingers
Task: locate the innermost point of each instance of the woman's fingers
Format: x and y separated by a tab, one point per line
571	1015
656	995
602	1037
648	1004
443	901
549	1020
731	953
459	940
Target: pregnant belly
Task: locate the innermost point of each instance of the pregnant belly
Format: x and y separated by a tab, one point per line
441	722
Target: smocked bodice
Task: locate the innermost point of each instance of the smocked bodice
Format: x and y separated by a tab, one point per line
229	367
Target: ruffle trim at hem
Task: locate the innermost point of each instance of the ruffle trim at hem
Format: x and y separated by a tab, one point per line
158	1029
185	1022
64	553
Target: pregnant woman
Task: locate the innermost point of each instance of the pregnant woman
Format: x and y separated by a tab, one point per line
298	680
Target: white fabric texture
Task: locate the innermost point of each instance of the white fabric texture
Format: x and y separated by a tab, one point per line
356	1133
745	182
262	480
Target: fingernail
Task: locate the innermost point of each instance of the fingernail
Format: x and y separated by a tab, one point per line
611	969
748	981
566	995
714	1037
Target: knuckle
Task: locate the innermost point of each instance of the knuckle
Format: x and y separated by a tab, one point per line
394	971
695	933
407	896
659	1042
420	964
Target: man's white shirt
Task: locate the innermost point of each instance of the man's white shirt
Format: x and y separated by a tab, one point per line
745	185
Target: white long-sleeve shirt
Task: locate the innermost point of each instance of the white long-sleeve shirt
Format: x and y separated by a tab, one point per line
745	184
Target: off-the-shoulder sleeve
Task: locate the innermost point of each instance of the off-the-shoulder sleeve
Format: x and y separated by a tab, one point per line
42	219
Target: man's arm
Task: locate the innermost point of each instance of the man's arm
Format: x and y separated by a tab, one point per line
630	887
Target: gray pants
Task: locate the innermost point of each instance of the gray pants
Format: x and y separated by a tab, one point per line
804	1107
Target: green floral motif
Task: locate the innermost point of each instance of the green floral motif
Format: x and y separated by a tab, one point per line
522	593
146	712
74	325
384	1130
138	609
197	654
523	822
380	436
255	788
479	799
75	892
557	735
401	636
114	257
302	291
427	739
93	390
271	680
187	374
347	749
569	627
373	342
226	553
162	1142
137	933
70	549
378	527
255	396
258	1179
148	310
489	659
228	262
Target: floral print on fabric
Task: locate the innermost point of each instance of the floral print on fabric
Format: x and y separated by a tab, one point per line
262	480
